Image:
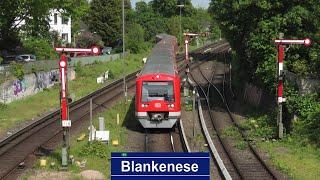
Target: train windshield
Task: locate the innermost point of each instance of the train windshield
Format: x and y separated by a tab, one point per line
157	91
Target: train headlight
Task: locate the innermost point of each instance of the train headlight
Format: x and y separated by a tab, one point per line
144	105
171	105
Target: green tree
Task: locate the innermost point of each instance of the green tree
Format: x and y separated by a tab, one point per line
135	38
250	26
104	17
40	47
142	7
166	8
87	40
151	22
17	70
173	25
169	8
29	16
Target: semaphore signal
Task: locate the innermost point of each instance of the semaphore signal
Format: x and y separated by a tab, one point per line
94	50
281	49
306	41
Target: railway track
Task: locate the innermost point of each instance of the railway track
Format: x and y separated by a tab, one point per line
18	151
47	132
166	140
163	140
215	145
239	164
173	140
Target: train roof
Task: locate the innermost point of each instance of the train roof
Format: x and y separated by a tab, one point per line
162	57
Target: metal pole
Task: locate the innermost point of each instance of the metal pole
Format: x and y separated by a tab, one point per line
180	35
186	56
66	122
91	121
193	111
280	86
123	50
186	41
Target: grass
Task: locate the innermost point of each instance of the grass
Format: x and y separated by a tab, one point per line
293	155
4	78
48	100
234	133
290	156
96	155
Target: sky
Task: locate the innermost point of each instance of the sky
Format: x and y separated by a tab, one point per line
196	3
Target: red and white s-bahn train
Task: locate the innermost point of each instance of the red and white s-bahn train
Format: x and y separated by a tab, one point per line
157	103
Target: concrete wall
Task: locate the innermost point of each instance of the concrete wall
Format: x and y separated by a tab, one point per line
252	94
31	84
92	59
305	85
35	82
258	97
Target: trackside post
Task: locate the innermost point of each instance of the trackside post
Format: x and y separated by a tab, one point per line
66	122
281	49
64	107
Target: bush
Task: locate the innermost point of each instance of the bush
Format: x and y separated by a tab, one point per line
95	149
3	106
135	38
111	75
17	70
307	108
88	39
78	68
39	47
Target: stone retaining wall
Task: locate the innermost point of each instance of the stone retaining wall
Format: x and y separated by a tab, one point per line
31	84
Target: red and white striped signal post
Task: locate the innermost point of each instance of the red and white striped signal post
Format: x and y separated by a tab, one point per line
64	108
281	49
186	43
66	122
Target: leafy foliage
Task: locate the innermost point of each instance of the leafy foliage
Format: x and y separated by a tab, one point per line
169	8
151	22
3	106
94	149
251	25
104	17
164	16
135	38
40	47
17	70
173	26
31	17
307	108
87	40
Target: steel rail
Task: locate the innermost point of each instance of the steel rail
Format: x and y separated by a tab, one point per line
49	120
31	129
213	150
252	149
183	137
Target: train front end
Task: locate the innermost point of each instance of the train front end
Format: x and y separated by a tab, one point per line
158	100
